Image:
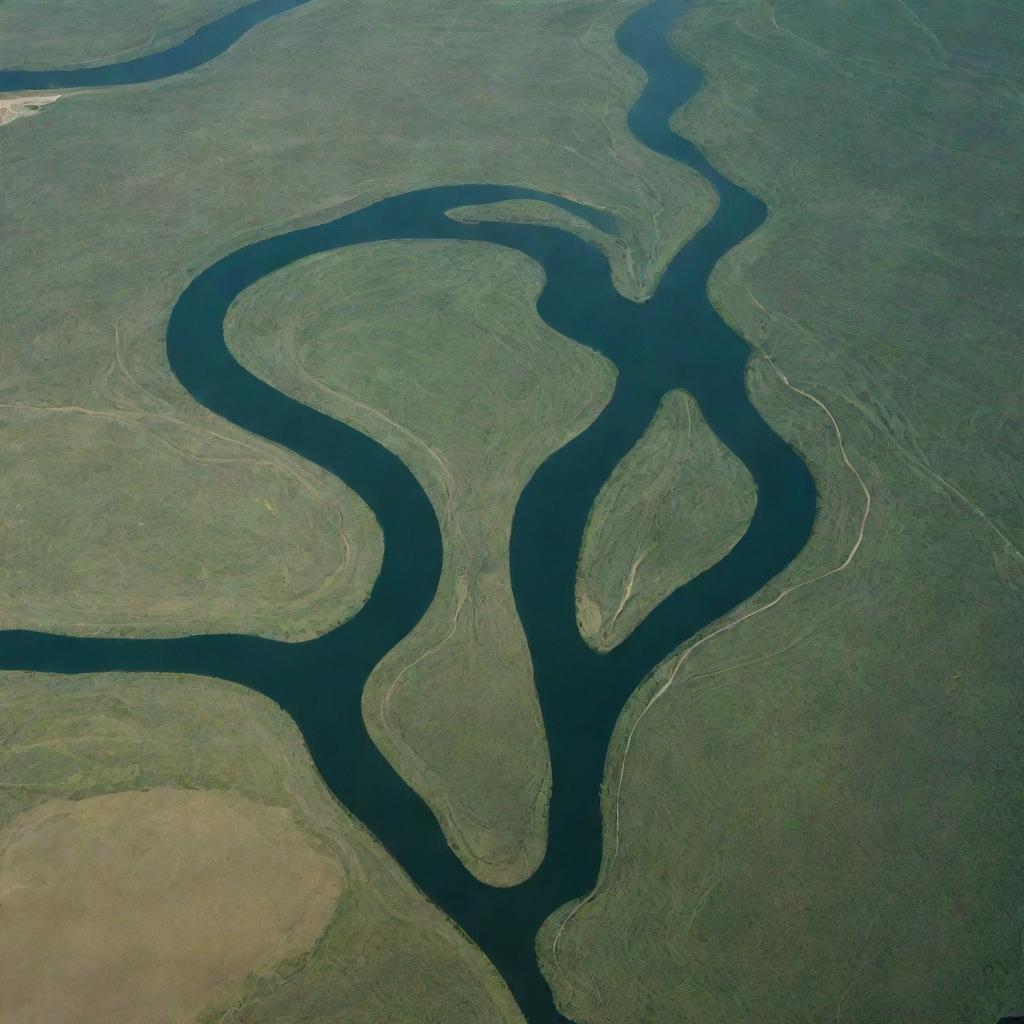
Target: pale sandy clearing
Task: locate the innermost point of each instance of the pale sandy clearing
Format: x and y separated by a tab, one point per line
145	907
12	107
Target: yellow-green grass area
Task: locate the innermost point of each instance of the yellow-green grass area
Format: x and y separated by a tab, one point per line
818	817
81	33
673	507
112	200
168	853
436	349
78	487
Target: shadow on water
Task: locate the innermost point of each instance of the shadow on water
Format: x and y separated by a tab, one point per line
674	340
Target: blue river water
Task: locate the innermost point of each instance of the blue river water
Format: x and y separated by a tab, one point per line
673	340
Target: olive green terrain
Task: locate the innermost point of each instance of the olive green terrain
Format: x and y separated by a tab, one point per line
100	510
817	819
672	508
386	954
436	349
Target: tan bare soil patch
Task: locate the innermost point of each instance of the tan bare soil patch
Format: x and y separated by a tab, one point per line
12	107
148	906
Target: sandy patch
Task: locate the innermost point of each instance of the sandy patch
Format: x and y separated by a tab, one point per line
12	107
148	906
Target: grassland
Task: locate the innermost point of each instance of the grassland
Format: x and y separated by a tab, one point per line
435	348
673	507
80	33
134	190
167	849
80	486
817	817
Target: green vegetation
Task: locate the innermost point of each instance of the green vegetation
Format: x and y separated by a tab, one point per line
435	348
811	816
242	787
80	486
817	819
674	506
133	191
80	33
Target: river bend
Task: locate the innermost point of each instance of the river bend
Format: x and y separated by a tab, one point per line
673	340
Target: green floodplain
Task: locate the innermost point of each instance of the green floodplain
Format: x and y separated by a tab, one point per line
815	819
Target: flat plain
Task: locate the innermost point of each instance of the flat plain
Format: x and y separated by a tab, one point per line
147	905
100	510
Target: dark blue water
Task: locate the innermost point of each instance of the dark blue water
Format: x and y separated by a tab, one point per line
675	340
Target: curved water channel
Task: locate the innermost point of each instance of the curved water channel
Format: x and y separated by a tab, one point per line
674	340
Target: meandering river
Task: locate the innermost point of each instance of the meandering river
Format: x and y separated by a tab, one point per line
674	340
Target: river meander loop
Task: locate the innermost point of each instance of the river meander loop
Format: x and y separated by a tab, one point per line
674	340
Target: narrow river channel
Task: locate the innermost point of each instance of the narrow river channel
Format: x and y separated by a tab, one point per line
674	340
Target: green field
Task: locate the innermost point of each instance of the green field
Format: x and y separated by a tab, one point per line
101	508
818	817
